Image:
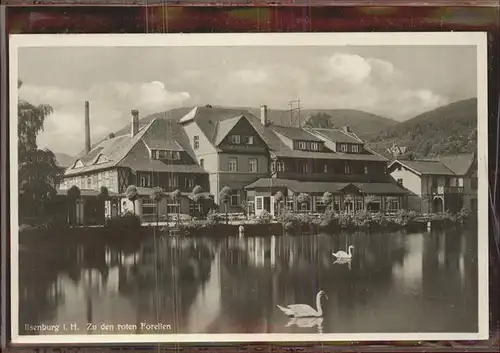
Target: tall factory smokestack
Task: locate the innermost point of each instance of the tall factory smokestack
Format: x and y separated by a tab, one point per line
87	127
135	122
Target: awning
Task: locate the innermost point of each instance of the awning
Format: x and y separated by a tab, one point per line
380	188
311	187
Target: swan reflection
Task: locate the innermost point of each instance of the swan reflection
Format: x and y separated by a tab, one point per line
341	261
307	322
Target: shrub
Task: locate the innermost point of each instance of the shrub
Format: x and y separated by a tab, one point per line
463	215
403	217
380	219
362	219
345	220
125	222
289	220
214	217
264	218
329	219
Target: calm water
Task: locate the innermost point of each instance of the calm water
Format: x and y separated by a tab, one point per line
395	283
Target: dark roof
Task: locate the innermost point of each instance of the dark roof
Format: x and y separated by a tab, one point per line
427	167
85	192
297	186
224	127
460	164
381	188
295	133
161	144
128	151
337	135
387	188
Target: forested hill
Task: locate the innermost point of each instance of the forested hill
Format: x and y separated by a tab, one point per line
360	122
446	130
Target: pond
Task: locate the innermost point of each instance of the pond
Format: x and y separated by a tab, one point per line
395	283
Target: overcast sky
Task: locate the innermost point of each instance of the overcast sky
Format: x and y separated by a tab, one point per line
395	82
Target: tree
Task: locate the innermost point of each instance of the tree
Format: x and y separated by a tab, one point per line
103	197
368	201
303	198
279	197
176	196
197	195
224	195
73	195
157	195
327	199
244	208
320	120
132	194
39	173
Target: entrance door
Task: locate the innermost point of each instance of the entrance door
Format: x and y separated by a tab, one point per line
259	205
267	203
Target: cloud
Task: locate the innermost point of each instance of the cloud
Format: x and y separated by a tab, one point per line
110	106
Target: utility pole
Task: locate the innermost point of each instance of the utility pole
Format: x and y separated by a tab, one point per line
294	111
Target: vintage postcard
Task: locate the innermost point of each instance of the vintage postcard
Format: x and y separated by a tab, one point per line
249	187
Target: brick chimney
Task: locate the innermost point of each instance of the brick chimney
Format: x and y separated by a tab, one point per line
87	127
263	115
135	122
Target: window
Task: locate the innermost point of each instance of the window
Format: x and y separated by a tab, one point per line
365	170
280	166
235	199
164	154
343	147
232	164
453	181
249	140
95	181
347	168
325	168
394	205
258	203
148	206
252	165
359	205
273	167
202	162
173	181
434	182
461	182
400	181
189	182
314	146
235	139
302	145
355	148
196	142
78	164
89	182
145	180
303	167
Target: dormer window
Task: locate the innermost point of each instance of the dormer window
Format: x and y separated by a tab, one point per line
101	159
78	164
302	145
325	168
235	139
314	146
166	154
355	148
343	147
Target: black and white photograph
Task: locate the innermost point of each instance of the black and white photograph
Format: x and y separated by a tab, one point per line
248	187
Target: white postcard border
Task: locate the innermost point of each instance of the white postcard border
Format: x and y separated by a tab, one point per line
478	39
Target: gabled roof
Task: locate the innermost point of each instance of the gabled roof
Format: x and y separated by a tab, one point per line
460	164
295	133
128	151
224	127
337	135
425	167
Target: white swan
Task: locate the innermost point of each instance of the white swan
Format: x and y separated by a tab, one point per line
304	310
341	261
342	254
